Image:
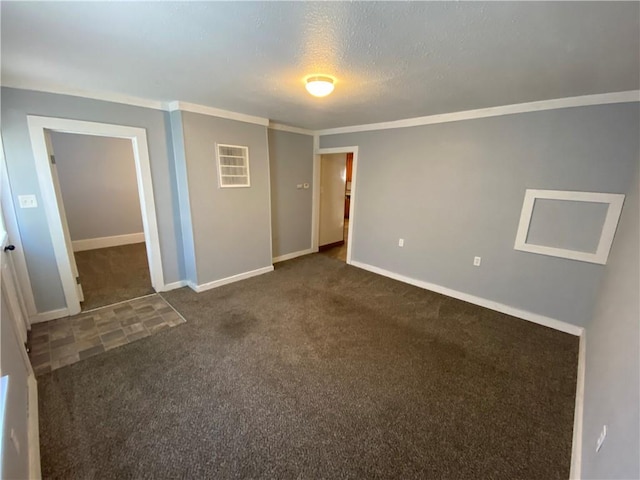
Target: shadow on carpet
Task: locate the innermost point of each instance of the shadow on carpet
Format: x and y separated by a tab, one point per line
318	370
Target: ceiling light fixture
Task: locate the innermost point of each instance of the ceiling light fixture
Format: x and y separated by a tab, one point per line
319	85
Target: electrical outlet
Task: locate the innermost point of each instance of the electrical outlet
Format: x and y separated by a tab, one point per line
401	242
476	261
27	201
600	441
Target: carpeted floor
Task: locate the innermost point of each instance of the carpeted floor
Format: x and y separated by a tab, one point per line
318	370
114	274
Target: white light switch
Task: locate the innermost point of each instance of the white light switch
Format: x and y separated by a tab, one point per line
401	242
299	186
27	201
476	261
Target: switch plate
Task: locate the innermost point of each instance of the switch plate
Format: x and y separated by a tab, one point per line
401	242
477	261
27	201
299	186
600	441
305	185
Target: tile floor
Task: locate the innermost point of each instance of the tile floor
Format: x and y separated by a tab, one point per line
68	340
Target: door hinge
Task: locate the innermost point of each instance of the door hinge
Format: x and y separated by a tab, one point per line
53	159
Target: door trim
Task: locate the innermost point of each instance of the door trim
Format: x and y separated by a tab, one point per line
11	224
138	136
315	229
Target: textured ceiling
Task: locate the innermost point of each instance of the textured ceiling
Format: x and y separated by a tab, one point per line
392	60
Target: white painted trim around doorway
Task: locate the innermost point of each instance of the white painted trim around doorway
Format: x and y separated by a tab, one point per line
11	220
138	136
315	229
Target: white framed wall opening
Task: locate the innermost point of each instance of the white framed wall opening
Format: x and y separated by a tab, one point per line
40	130
334	174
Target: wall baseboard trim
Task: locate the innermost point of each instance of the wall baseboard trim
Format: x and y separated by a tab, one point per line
33	434
175	285
50	315
576	448
482	302
104	242
291	255
234	278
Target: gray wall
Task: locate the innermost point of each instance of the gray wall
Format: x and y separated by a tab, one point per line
99	186
182	184
291	163
455	190
14	464
231	226
16	104
612	387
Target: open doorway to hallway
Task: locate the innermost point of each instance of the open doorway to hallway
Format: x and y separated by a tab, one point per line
99	203
336	171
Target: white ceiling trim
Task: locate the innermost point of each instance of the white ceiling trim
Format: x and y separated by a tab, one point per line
75	92
556	103
217	112
289	128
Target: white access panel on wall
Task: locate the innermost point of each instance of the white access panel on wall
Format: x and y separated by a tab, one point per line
574	225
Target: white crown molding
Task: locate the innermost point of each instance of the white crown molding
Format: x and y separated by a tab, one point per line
216	112
554	104
76	92
288	128
557	103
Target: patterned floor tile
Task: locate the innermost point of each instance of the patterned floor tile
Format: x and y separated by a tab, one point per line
64	341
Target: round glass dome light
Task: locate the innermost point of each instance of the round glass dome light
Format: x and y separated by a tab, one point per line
319	85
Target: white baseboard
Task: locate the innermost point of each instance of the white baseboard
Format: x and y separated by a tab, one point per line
175	285
289	256
231	279
50	315
104	242
483	302
33	432
576	449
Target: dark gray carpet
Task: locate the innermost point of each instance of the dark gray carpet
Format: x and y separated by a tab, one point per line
318	370
114	274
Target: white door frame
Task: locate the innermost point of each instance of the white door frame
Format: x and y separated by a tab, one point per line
11	225
315	223
138	136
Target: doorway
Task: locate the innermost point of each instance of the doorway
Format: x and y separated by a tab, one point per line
335	182
96	178
43	132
